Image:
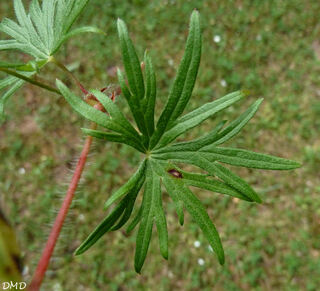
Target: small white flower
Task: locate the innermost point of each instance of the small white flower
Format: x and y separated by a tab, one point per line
217	38
22	171
201	261
259	37
170	62
223	83
57	287
170	274
81	217
25	271
197	244
210	248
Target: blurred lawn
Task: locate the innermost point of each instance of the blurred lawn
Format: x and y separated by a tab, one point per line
271	48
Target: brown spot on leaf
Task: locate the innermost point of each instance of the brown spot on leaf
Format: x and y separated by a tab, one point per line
175	173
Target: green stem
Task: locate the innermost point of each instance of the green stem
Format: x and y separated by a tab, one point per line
30	80
65	69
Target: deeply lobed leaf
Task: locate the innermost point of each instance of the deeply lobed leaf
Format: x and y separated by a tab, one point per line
159	165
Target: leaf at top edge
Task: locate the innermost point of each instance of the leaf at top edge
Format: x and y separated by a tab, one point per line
150	94
131	62
185	79
42	31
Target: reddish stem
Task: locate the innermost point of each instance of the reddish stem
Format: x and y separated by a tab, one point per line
56	229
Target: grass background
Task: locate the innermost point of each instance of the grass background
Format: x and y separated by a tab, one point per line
271	48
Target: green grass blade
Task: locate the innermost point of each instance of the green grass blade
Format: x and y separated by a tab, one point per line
197	116
124	189
249	159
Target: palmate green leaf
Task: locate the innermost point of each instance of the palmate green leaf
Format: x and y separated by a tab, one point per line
42	31
185	80
161	157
